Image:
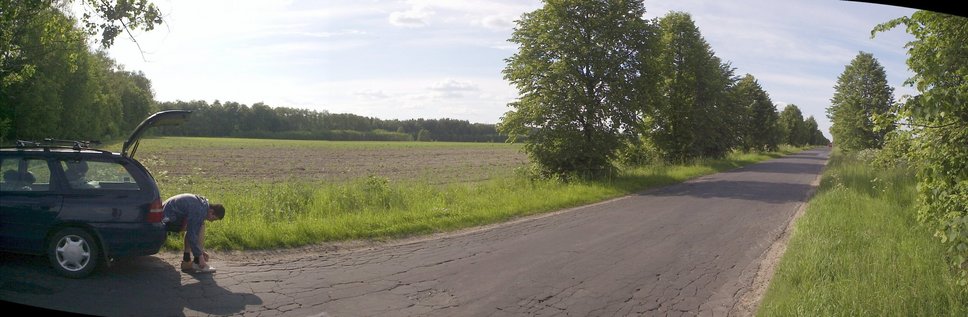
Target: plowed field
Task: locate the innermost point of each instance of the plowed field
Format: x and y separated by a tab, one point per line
280	160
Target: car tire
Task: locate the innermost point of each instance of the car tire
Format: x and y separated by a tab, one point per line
73	253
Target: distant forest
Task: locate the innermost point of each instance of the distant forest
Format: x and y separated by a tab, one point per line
231	119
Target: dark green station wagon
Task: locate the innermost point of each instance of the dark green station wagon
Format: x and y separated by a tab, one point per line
81	206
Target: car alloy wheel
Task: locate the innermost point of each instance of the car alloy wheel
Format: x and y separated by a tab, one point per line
73	253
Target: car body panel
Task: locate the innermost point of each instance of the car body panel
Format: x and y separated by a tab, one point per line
121	240
25	219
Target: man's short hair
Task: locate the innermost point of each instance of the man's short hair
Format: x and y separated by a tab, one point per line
219	210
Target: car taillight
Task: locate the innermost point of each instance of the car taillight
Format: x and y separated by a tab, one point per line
157	212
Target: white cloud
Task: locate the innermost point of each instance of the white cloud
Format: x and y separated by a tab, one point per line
372	94
498	22
498	15
454	85
413	18
322	34
451	88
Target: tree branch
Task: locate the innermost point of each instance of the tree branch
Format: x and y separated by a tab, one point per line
949	124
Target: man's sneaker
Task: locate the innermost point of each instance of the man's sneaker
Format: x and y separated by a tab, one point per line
206	269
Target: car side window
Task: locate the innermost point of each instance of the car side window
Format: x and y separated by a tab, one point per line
86	174
24	174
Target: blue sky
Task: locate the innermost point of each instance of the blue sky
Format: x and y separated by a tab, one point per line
443	59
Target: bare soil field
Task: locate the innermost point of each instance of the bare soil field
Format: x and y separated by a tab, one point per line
281	160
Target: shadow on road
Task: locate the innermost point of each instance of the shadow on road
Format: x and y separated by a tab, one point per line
807	157
769	192
784	167
210	298
143	286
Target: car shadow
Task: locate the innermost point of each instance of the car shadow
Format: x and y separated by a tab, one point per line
142	286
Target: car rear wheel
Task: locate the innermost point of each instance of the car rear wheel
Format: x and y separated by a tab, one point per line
73	253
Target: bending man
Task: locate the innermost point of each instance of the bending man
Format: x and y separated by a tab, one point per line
188	212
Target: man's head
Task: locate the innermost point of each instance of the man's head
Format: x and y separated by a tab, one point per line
216	212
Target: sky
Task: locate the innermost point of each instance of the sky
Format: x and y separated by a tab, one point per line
409	59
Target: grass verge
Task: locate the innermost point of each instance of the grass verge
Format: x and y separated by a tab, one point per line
859	251
298	212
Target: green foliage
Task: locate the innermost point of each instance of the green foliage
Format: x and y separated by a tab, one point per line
111	17
17	19
641	152
54	86
135	95
896	151
939	125
581	76
793	127
424	135
693	116
107	17
814	135
56	51
861	93
5	125
758	125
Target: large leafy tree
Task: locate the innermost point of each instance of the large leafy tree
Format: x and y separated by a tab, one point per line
50	82
135	96
792	126
32	98
758	127
938	119
861	94
105	18
813	133
579	72
693	112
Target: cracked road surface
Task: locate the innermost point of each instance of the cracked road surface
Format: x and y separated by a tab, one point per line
686	249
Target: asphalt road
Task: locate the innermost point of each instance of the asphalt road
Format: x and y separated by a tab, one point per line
687	249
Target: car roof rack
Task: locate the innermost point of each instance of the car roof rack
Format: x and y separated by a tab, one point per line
77	145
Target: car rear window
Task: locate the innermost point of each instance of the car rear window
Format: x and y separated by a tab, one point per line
24	174
94	175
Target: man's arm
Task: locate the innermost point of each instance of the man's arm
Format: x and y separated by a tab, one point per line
192	241
203	257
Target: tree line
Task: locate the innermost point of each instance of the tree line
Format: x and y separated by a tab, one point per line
599	84
927	132
231	119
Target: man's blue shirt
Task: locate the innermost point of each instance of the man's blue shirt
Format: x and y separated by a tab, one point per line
194	210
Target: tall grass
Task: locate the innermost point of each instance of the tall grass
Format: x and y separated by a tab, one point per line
299	212
859	251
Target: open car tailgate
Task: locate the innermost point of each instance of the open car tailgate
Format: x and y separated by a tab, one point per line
162	118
